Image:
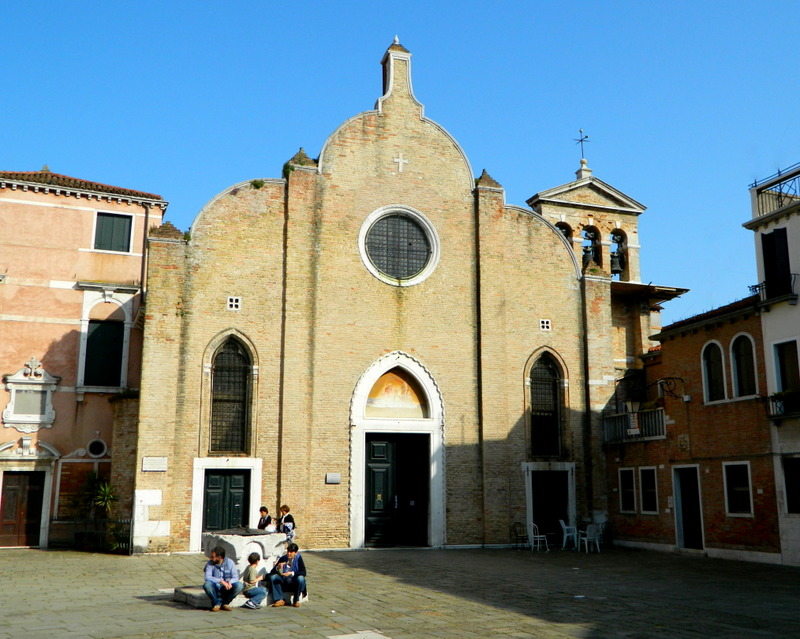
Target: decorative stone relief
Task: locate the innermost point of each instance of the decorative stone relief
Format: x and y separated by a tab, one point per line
31	405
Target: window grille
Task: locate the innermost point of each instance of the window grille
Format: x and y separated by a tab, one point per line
398	246
545	392
229	399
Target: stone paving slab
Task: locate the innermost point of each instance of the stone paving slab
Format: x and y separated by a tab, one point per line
401	594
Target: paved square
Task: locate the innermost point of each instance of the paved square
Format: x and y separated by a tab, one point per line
402	594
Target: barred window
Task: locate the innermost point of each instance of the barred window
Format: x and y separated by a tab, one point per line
230	391
398	246
545	385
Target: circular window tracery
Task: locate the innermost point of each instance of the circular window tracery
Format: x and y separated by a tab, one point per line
399	245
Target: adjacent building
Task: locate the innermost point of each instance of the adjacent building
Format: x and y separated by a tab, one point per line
72	267
776	226
691	454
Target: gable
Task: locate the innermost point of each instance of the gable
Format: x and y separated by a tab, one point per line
589	192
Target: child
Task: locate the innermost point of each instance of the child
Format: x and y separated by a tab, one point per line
286	523
265	520
254	593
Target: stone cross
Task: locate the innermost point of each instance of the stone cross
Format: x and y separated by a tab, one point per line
400	162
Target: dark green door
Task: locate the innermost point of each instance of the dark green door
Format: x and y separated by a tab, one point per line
226	502
397	489
21	514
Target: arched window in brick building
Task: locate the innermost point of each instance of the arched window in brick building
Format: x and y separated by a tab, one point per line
566	229
231	375
713	373
744	370
546	399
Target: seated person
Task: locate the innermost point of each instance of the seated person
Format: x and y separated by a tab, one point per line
265	520
255	594
221	580
286	523
288	574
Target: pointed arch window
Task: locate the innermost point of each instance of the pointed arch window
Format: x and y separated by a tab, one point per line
231	377
546	399
744	370
713	376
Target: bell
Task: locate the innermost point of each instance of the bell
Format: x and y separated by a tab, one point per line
587	255
616	264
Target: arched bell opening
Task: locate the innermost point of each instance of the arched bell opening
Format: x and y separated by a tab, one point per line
592	246
619	255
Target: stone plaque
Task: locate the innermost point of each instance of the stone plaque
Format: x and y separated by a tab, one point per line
154	464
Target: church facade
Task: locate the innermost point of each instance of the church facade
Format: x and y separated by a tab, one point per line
378	340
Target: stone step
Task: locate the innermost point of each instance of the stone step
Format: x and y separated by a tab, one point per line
196	597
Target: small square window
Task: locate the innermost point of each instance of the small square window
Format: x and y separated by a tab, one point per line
113	233
544	324
234	303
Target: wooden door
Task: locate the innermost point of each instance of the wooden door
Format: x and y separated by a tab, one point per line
21	512
225	499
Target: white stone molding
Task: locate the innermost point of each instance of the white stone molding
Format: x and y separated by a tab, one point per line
123	297
30	382
433	426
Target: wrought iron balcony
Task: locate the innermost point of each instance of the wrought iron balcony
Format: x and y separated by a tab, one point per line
782	405
635	427
778	191
781	289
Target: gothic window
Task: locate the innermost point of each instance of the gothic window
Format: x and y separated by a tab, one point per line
230	397
546	399
103	358
744	370
713	376
592	247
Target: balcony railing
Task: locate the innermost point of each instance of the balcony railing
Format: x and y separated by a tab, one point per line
635	427
783	288
774	193
783	405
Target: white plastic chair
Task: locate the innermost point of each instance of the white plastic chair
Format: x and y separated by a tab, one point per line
591	536
569	532
537	539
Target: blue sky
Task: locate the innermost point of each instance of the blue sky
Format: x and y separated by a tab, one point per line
685	103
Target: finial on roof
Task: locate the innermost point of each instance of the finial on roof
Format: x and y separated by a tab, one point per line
584	171
396	46
45	169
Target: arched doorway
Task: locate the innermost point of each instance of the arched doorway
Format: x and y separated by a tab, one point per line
397	486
